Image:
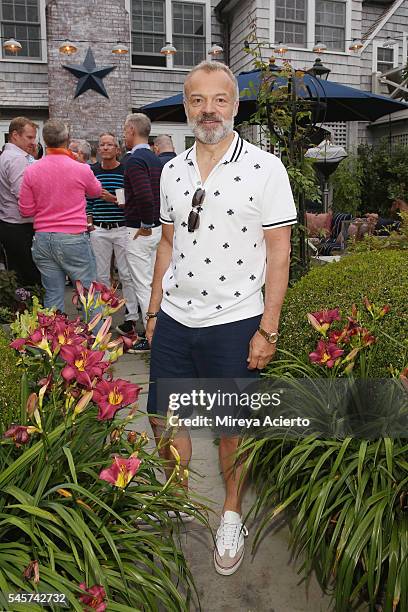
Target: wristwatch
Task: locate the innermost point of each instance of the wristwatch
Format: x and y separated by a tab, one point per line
271	337
151	315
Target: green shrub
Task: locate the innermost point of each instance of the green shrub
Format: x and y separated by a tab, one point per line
371	180
10	378
381	276
346	183
8	286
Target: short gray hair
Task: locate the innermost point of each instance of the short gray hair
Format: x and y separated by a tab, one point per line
212	66
55	133
83	147
140	123
109	134
164	140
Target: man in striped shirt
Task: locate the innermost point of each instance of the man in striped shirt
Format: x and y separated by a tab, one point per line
106	222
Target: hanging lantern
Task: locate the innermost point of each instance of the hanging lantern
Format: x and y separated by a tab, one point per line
68	48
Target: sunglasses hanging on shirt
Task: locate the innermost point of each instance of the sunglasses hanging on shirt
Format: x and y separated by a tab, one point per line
193	221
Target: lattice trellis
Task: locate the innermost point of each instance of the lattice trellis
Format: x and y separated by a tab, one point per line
339	132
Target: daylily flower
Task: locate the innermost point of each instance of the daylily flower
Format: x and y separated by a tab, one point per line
112	395
95	598
339	335
121	471
63	334
322	319
107	296
366	337
32	571
18	344
83	364
39	339
20	434
326	354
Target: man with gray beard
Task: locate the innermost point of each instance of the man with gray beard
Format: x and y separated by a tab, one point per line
226	214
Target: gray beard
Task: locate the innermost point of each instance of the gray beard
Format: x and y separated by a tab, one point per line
214	135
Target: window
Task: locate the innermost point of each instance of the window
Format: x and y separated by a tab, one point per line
291	22
156	21
302	23
331	24
148	32
188	33
20	19
385	59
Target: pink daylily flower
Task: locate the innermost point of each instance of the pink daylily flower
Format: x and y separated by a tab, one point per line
112	395
322	319
83	364
95	598
121	471
20	434
326	354
18	344
107	295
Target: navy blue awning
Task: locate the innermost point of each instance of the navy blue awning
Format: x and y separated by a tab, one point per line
342	103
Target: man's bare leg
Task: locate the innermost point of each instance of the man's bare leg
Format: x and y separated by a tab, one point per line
232	473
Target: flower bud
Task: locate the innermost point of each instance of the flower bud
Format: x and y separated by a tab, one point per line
114	436
132	437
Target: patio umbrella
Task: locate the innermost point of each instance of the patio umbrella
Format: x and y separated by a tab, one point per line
342	103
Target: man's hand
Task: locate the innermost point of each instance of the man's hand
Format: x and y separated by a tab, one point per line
89	223
142	232
108	197
150	326
260	352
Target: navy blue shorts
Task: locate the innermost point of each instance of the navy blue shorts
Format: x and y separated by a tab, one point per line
218	351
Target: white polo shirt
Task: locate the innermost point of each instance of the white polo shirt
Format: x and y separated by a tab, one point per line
217	272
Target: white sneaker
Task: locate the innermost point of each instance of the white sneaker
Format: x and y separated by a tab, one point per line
229	543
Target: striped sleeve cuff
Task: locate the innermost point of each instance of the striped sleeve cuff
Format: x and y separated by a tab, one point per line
166	221
282	223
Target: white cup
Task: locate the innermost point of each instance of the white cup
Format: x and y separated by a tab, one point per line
120	196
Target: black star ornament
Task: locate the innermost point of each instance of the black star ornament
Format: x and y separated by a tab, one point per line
89	76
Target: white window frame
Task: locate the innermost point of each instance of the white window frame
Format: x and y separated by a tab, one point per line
379	44
169	33
311	27
43	36
4	128
177	131
404	48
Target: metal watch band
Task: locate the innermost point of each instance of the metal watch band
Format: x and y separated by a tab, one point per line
151	315
271	337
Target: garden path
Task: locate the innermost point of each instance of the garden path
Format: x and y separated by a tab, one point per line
265	582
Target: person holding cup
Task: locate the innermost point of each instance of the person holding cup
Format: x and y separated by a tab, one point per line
106	225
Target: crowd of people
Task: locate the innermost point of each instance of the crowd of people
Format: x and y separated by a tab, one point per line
78	211
201	242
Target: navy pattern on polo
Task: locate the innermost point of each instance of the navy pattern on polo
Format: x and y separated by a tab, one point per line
217	272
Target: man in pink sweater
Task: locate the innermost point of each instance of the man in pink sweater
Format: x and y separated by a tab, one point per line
53	193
